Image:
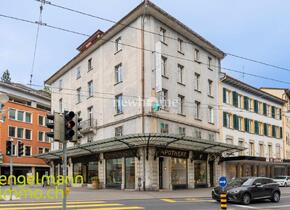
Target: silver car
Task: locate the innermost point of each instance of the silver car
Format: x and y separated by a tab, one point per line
283	181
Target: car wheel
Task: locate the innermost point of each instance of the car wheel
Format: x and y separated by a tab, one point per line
246	199
275	197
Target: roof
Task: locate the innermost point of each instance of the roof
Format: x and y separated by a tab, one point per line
187	143
25	89
248	88
287	91
151	9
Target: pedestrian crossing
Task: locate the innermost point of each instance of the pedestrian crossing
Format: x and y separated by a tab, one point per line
76	205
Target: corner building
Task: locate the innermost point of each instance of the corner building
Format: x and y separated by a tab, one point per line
114	83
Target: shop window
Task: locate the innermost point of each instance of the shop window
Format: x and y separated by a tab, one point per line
130	173
114	173
178	172
200	173
92	170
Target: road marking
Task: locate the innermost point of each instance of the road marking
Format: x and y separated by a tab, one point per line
244	206
52	203
118	208
168	200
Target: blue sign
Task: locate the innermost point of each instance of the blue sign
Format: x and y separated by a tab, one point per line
223	182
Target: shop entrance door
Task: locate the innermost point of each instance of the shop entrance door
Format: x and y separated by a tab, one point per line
161	172
211	173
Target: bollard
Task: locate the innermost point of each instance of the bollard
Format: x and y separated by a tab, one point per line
224	201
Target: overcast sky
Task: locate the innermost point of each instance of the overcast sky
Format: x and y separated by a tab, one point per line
257	29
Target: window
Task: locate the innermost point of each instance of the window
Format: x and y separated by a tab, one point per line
210	88
60	85
162	35
90	88
118	44
240	123
164	128
240	101
20	133
209	63
90	67
211	137
196	81
78	74
273	112
28	118
164	99
12	131
46	150
256	106
79	95
118	73
251	125
28	151
227	120
197	114
180	45
196	55
40	150
180	73
197	133
270	151
181	131
246	103
119	104
163	66
180	104
119	131
261	150
210	115
46	138
90	116
60	105
28	134
12	114
251	149
41	120
241	144
278	151
40	136
20	116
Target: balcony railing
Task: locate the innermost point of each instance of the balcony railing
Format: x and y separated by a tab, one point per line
88	125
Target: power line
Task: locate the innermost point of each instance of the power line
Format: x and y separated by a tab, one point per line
155	33
140	48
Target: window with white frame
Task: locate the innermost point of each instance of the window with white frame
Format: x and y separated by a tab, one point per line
163	66
20	133
209	63
270	151
181	131
118	74
119	131
12	131
240	101
28	117
41	120
278	151
261	150
196	54
90	64
90	115
40	136
79	95
164	99
211	115
60	85
162	35
210	84
12	114
28	151
228	97
180	45
164	128
90	88
197	81
28	134
20	115
180	73
251	149
118	44
197	114
119	104
180	104
78	72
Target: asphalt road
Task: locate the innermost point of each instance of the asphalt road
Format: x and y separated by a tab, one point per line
148	204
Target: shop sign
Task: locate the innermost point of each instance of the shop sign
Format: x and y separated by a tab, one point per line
85	159
121	154
172	153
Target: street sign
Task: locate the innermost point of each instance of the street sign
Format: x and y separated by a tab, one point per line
223	182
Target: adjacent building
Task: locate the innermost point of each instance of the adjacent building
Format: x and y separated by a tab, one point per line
148	59
23	118
252	118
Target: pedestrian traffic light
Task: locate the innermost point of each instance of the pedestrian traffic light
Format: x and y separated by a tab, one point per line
9	148
56	123
69	124
20	148
77	129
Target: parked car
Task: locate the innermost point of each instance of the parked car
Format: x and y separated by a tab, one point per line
283	181
244	190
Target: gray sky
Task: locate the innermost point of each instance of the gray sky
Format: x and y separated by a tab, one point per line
257	29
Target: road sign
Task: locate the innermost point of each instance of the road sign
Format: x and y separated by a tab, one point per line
223	182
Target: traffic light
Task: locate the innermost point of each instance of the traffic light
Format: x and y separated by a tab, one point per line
69	124
9	148
77	129
20	148
56	123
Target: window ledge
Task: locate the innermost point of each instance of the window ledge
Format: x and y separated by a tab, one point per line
197	90
181	84
118	52
198	119
118	114
118	83
164	43
183	115
197	61
90	97
78	77
211	123
210	96
165	77
209	68
180	52
90	69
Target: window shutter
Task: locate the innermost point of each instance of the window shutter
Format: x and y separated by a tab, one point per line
256	127
281	132
235	99
246	103
265	129
224	95
280	114
274	131
265	109
246	124
225	120
235	121
273	112
256	106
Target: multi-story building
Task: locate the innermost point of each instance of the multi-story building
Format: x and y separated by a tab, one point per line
252	118
285	95
22	118
147	57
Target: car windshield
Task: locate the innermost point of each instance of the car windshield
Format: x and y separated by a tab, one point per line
280	177
237	182
248	182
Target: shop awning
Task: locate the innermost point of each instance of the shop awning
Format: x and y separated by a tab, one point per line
173	141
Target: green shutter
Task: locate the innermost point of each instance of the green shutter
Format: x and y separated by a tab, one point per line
225	120
265	109
235	121
247	128
256	106
273	112
280	114
256	127
235	99
224	95
274	131
246	103
281	132
265	129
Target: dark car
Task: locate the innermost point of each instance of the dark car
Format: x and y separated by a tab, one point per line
245	190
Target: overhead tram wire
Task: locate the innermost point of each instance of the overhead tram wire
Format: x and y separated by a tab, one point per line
155	33
136	47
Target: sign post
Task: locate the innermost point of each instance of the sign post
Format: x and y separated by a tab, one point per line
223	196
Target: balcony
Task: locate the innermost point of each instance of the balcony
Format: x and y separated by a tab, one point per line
88	126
